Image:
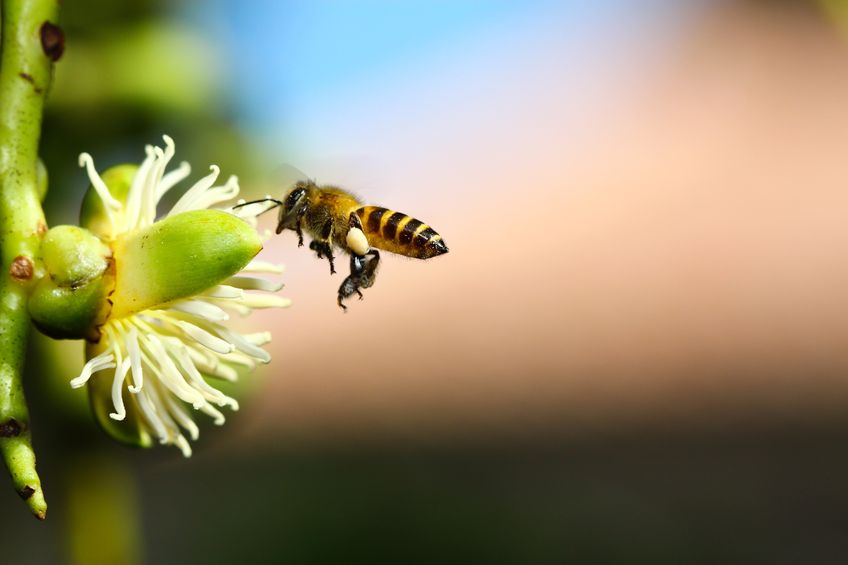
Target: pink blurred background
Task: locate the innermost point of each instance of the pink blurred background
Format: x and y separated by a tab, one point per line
646	227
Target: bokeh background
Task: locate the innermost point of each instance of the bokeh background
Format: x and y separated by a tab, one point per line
635	352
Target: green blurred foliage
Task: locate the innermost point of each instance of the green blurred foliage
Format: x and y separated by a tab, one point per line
837	12
130	73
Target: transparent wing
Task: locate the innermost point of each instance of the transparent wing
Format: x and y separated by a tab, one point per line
286	175
276	184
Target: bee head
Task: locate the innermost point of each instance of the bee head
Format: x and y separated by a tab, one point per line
293	205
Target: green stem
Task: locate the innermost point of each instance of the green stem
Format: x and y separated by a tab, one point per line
25	72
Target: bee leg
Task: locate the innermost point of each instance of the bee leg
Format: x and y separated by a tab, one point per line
353	221
299	231
324	246
299	226
323	249
363	271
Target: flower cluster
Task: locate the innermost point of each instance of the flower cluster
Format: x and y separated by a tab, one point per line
164	339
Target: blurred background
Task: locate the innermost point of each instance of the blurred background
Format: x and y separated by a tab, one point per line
635	350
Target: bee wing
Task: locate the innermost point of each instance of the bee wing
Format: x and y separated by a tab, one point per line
286	175
273	185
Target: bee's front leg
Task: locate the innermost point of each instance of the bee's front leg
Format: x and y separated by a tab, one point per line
298	227
363	272
324	246
299	231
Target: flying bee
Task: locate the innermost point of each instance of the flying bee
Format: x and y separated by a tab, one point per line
335	219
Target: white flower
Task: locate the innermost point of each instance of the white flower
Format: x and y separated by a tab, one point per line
163	354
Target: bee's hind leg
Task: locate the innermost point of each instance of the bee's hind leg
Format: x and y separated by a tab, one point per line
363	272
324	247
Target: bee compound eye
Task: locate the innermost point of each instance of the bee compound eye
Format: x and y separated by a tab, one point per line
293	198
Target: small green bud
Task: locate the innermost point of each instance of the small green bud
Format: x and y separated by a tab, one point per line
70	302
93	212
68	312
73	255
179	257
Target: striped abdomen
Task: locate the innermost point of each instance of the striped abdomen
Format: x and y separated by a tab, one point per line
399	233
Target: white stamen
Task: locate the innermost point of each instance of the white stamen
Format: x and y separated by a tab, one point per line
187	201
172	431
169	375
149	414
183	446
240	359
203	310
182	418
197	381
137	188
211	366
244	345
258	338
263	267
117	388
215	413
135	360
110	205
103	361
256	301
205	338
172	178
224	291
254	283
147	211
232	305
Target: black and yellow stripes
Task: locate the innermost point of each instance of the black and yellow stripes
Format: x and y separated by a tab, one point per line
400	233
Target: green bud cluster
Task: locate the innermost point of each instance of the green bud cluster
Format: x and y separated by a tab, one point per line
89	281
70	300
101	272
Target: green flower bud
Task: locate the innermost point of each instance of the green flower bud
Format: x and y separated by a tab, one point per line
69	312
93	212
70	302
179	257
132	429
73	255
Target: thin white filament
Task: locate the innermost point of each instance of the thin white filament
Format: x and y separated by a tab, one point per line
205	338
254	283
201	309
186	201
117	391
105	360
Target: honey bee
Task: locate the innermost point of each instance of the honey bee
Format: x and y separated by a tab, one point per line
335	219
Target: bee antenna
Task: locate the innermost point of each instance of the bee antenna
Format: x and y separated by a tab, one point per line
261	200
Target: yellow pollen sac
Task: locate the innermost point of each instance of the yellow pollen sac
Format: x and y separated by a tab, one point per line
357	242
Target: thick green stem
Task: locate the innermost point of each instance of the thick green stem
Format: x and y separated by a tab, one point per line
30	41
